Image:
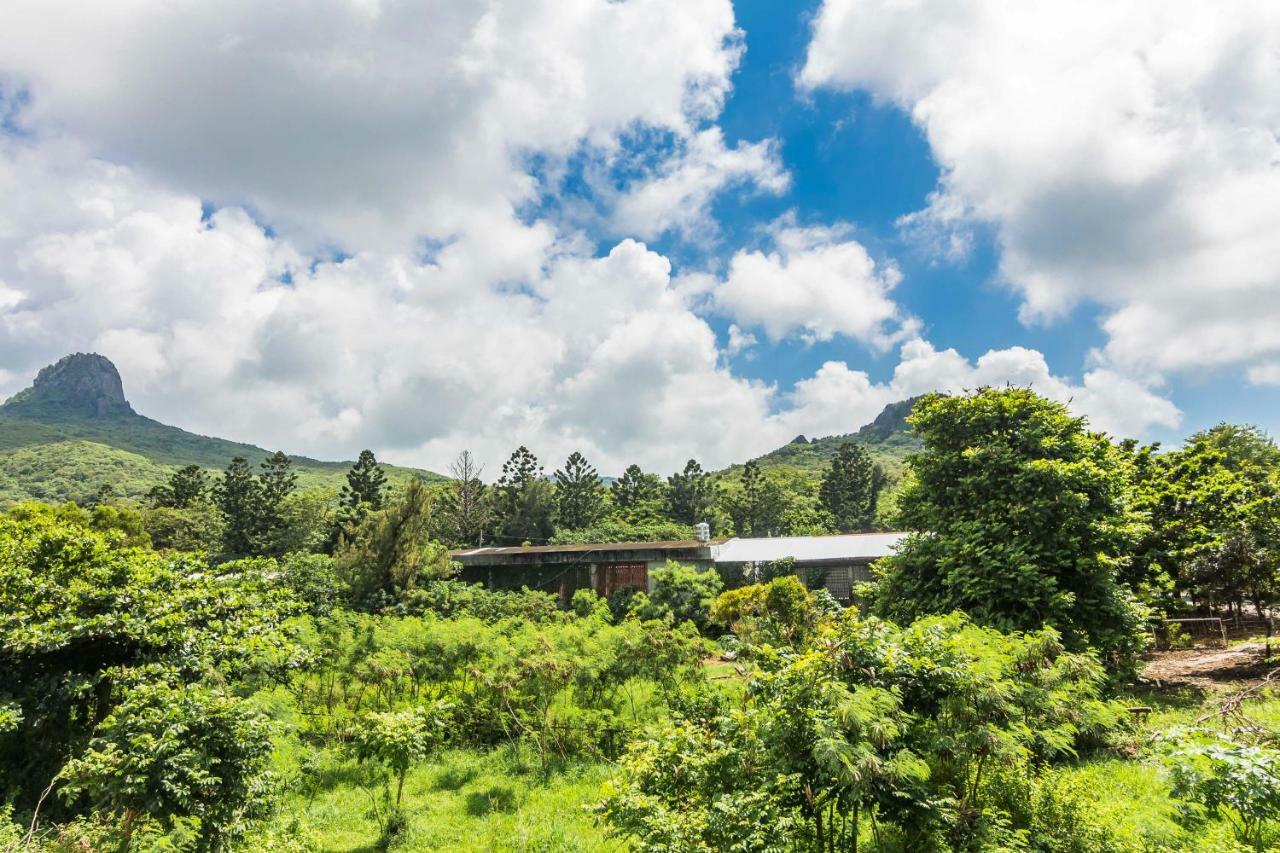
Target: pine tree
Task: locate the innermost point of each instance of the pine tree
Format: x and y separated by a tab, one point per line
851	488
276	482
366	487
691	494
760	508
186	486
579	493
239	498
635	487
525	502
278	479
365	492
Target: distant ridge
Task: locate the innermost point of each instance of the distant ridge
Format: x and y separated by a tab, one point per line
888	438
74	431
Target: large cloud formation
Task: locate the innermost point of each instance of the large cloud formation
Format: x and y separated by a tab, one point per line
1126	154
318	230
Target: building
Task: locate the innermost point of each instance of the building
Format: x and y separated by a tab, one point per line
836	562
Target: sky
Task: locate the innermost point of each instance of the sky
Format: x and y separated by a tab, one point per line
646	230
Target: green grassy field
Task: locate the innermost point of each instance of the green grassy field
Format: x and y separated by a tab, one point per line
471	800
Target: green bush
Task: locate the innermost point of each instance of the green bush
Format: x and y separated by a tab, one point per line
680	593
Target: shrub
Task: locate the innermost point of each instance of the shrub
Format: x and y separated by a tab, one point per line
780	611
679	593
1238	782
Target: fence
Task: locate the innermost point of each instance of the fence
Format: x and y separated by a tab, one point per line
1199	631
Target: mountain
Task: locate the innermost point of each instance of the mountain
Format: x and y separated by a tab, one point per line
74	431
888	438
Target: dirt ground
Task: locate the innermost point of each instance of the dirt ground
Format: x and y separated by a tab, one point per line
1209	669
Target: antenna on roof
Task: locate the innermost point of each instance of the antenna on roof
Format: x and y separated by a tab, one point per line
703	531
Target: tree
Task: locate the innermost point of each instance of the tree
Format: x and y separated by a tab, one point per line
188	485
465	509
760	507
636	491
851	488
1213	506
276	484
239	498
1020	519
681	593
579	493
525	502
384	555
691	494
171	750
366	488
88	620
400	740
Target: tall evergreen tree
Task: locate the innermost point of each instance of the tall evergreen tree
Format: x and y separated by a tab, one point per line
239	498
365	492
525	502
366	487
277	481
760	508
851	488
691	494
635	487
389	551
186	486
579	493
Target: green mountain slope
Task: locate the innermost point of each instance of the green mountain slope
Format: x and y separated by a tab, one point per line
888	438
73	432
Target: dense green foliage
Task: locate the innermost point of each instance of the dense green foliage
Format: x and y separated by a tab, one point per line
243	662
1021	519
910	730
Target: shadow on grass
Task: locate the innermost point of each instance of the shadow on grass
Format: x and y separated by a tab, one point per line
453	777
1166	697
496	798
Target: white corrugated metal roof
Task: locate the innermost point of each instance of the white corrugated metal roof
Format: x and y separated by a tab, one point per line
851	546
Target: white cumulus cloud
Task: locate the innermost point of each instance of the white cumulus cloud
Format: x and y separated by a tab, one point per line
1126	154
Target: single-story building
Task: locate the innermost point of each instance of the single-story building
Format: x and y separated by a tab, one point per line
837	562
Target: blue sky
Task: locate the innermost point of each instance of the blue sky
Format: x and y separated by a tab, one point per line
643	230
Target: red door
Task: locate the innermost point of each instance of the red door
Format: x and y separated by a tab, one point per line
611	577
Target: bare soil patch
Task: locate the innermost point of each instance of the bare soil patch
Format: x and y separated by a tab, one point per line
1208	669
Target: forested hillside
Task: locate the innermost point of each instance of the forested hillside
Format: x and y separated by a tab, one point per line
73	432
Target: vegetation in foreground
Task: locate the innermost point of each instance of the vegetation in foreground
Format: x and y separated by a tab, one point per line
253	688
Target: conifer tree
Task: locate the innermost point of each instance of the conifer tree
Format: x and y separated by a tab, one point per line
365	492
579	493
524	501
366	487
277	481
635	487
239	498
851	487
691	494
186	486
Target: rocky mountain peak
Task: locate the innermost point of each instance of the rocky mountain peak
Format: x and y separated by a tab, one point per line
82	384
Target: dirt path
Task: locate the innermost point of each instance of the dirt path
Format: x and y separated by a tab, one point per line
1208	669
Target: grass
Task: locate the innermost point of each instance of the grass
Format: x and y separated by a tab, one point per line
466	800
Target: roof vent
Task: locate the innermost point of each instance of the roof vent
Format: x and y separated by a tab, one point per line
703	531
